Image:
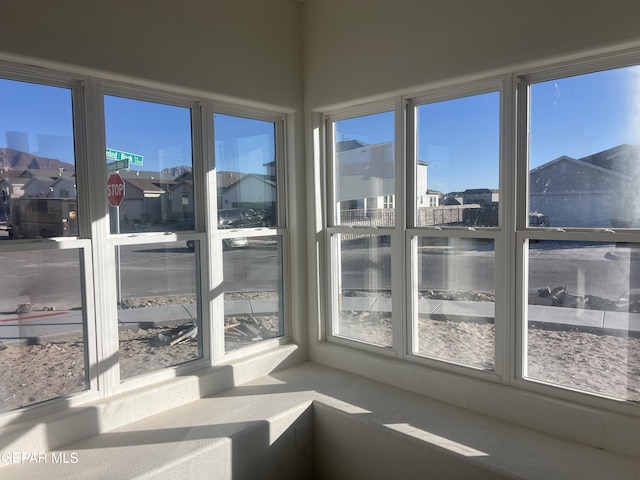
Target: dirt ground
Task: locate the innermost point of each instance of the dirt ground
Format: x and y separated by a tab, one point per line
598	363
55	366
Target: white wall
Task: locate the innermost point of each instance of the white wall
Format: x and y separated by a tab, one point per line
361	50
358	48
249	49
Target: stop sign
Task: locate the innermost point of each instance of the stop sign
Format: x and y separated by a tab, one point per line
115	189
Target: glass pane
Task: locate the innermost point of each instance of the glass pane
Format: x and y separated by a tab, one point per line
149	147
456	300
38	176
253	300
365	170
246	172
458	156
158	307
42	352
583	151
364	290
584	317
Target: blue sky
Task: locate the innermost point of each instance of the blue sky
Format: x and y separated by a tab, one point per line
458	138
575	116
38	119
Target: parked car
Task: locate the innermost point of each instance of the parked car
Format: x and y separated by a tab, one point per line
227	243
538	220
240	218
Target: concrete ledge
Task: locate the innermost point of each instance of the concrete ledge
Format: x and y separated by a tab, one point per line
311	421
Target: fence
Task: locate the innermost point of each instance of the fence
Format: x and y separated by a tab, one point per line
450	215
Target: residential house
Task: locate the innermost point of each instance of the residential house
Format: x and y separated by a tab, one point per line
38	186
249	190
588	192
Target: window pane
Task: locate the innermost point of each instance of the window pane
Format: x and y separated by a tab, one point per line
37	180
456	300
458	152
42	353
583	150
246	172
158	307
149	146
365	170
253	300
584	317
364	290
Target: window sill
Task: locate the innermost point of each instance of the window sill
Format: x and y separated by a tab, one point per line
314	419
63	421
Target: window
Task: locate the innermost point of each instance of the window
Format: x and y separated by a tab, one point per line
581	285
44	334
150	150
363	168
103	288
364	163
249	226
149	146
457	146
510	253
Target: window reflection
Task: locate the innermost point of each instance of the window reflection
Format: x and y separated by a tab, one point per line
457	148
583	169
246	172
149	147
365	170
364	292
583	317
253	290
158	307
42	327
456	300
37	175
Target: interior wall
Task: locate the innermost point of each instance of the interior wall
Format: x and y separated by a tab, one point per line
249	49
360	48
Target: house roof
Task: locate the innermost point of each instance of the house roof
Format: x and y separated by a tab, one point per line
579	162
181	182
145	185
349	144
227	178
477	191
606	158
47	172
146	174
267	179
45	180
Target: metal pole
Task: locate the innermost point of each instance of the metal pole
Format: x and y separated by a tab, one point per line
118	275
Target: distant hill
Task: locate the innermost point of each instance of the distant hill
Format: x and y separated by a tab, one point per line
20	161
176	171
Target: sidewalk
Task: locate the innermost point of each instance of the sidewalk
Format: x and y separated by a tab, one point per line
37	324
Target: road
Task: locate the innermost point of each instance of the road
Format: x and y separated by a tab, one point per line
51	278
595	269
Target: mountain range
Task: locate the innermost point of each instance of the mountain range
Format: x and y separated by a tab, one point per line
11	159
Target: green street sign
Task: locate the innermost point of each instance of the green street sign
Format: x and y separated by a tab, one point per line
132	158
117	165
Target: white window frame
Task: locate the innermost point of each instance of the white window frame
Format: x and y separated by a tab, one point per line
524	233
280	230
510	236
334	229
498	234
97	245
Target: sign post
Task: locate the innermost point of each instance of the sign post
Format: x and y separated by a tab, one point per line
115	195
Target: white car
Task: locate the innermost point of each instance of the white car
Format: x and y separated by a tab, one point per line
227	243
